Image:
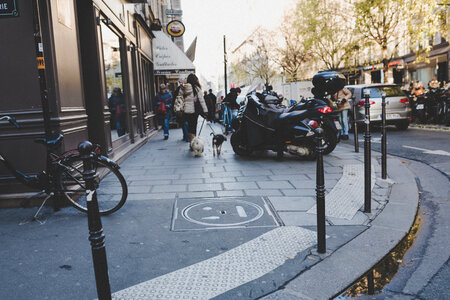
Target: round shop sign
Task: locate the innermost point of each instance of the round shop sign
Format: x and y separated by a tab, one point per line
175	28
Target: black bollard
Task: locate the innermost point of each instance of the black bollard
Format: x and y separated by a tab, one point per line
370	283
96	236
367	155
383	137
355	127
320	193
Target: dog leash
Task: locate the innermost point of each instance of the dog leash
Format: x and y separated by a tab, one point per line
212	129
201	127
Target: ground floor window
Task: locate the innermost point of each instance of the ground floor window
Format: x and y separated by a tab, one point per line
114	82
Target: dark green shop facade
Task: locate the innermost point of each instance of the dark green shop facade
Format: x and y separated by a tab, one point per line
91	48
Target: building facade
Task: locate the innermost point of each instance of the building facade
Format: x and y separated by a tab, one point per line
98	57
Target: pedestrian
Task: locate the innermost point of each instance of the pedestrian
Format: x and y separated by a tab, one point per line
212	112
209	104
230	100
181	118
116	105
434	83
343	106
194	104
164	103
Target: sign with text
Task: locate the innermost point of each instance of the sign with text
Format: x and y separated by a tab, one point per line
8	8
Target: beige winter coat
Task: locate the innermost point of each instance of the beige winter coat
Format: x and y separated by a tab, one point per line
344	93
189	98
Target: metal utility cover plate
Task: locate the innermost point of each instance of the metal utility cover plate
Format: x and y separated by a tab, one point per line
213	213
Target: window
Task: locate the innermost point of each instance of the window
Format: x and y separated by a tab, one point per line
114	82
391	91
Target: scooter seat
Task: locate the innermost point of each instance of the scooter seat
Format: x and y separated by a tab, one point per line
52	143
291	117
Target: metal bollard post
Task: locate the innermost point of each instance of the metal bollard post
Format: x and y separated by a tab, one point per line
320	193
96	236
370	283
383	136
367	155
355	127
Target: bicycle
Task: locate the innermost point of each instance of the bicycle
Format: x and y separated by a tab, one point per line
63	177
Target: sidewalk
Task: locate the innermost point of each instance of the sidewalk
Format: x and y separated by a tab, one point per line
225	227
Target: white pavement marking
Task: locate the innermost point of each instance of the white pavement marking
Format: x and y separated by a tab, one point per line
426	151
241	212
347	196
219	274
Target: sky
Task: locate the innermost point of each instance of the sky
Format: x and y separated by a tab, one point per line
210	20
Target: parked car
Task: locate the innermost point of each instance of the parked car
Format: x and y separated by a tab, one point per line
398	110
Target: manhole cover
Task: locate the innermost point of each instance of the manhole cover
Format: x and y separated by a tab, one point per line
200	214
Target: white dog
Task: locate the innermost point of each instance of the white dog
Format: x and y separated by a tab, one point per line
197	146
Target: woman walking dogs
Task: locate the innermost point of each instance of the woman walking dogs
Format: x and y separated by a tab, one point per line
194	104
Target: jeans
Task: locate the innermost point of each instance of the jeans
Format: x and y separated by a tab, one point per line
166	123
343	119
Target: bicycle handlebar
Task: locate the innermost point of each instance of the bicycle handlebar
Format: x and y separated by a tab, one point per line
11	120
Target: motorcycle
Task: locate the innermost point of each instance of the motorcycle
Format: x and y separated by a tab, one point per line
263	125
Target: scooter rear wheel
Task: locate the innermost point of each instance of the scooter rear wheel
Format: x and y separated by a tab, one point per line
237	143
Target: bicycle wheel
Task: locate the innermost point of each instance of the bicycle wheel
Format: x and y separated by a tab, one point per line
111	188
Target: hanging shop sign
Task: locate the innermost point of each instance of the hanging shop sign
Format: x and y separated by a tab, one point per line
174	12
175	28
8	8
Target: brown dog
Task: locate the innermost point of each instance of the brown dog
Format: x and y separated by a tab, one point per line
217	142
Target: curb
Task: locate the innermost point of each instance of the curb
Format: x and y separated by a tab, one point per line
350	262
430	127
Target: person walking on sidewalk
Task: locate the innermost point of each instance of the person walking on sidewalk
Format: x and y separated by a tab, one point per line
164	103
213	100
342	97
194	104
181	117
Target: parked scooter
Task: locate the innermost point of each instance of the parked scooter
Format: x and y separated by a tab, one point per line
264	125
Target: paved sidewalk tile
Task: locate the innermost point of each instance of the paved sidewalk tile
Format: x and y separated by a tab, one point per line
169	188
274	185
240	185
205	187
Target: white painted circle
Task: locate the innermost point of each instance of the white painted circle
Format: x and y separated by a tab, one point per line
185	212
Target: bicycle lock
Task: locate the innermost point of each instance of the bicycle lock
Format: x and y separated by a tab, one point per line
320	193
367	155
96	236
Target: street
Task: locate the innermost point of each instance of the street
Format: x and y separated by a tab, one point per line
425	266
431	147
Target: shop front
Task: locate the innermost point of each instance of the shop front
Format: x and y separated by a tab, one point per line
100	85
436	65
171	63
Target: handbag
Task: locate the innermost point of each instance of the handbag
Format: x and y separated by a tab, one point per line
178	106
198	106
162	108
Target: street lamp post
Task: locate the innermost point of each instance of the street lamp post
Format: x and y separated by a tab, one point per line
225	63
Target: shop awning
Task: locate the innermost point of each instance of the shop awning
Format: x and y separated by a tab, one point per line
168	58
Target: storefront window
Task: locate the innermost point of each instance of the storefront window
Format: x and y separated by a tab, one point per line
114	83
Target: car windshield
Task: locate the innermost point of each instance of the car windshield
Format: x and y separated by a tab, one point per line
391	91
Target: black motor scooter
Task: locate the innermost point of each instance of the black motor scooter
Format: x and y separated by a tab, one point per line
263	125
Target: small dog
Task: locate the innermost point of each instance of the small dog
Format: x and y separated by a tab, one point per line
197	146
217	142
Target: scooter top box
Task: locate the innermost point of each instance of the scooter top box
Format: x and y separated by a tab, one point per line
327	83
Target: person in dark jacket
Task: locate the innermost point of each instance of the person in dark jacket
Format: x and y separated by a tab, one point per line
164	103
230	100
213	100
116	104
